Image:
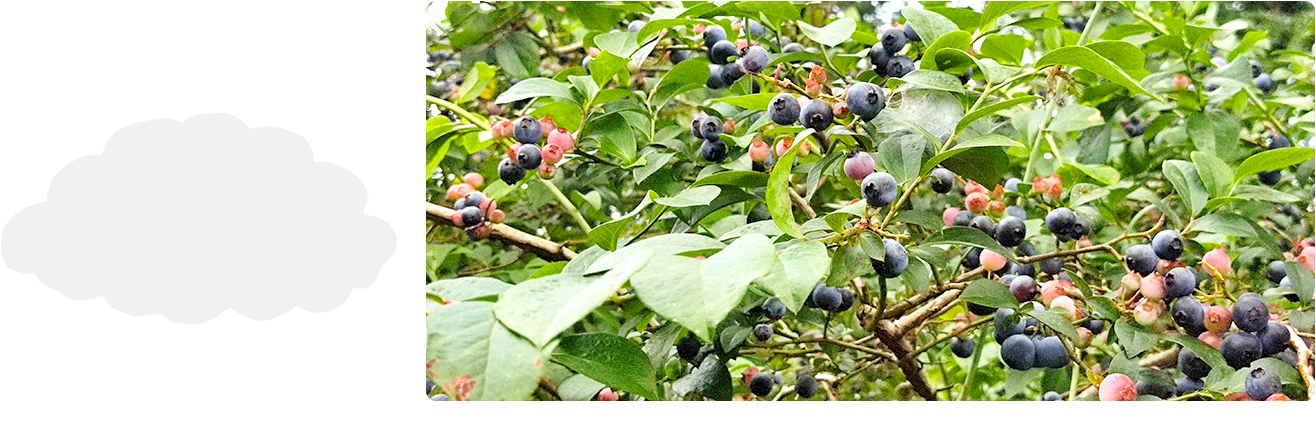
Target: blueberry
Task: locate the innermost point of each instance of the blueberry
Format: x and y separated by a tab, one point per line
1060	221
721	51
585	63
1018	352
1256	68
777	378
865	100
1141	259
1187	313
1180	282
1274	338
1051	395
1285	282
459	204
509	172
899	66
1008	278
429	386
1052	266
1010	232
473	199
635	26
709	127
808	301
1264	83
1135	127
761	385
971	261
847	300
1022	270
879	57
1081	228
1275	271
1004	327
732	72
471	216
1241	349
688	348
713	35
1261	383
715	77
1167	244
943	181
1278	142
1050	353
678	56
762	332
441	397
858	165
966	76
528	157
1152	387
773	309
438	88
984	224
713	151
1270	177
792	48
1186	385
1026	249
1095	326
910	34
1012	185
895	261
963	218
1191	365
879	189
756	29
754	60
826	298
893	40
526	129
1250	313
962	348
980	310
806	386
816	114
1016	212
1023	288
784	109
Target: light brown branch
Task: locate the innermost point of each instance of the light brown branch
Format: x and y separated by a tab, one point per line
546	249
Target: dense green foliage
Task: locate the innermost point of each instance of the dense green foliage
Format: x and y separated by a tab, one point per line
1118	119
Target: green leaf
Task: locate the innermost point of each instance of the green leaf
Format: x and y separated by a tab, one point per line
1273	159
928	79
1124	55
997	9
476	80
685	76
985	140
830	35
1074	118
541	308
1215	174
614	136
990	293
579	388
1103	306
966	236
659	246
609	359
535	87
1184	177
736	178
1085	58
465	340
605	235
848	262
1133	338
984	164
467	288
953	42
799	266
694	196
982	112
1017	381
1299	278
1006	48
1250	39
1055	322
754	101
699	293
931	26
778	199
711	380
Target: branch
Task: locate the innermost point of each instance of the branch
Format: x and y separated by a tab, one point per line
901	348
799	201
546	249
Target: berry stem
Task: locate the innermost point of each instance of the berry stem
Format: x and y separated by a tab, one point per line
1092	19
458	110
566	203
973	367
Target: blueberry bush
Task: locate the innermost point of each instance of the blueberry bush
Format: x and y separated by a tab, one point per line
869	201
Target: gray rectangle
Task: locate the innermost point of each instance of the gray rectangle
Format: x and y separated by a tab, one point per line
198	218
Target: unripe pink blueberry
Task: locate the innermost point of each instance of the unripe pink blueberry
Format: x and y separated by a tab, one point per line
1307	258
859	165
547	126
1131	281
1153	286
551	154
759	151
1218	259
784	145
1084	338
546	170
473	179
1053	289
996	208
562	139
1211	339
1146	312
1066	303
971	187
1117	387
607	395
976	202
948	216
991	260
457	219
1218	319
497	216
458	191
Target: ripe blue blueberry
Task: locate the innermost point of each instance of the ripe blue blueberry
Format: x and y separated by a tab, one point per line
754	60
761	385
1060	221
847	300
714	34
1241	349
777	378
688	348
1051	395
678	56
732	72
471	216
962	348
826	298
1264	83
792	47
1005	327
963	218
1186	385
784	109
1023	288
429	386
1018	352
1026	249
441	397
1261	383
879	57
1052	266
1256	68
709	127
1275	271
808	301
1180	282
1081	228
1095	326
1270	177
943	181
528	156
713	151
971	261
1016	212
756	29
910	34
715	77
865	100
1050	353
1274	338
527	130
1168	244
984	224
774	309
895	261
893	40
899	66
806	386
879	189
762	332
585	63
1012	185
1188	313
1010	232
1135	127
1141	259
1191	365
472	199
510	172
816	114
1250	313
635	26
721	51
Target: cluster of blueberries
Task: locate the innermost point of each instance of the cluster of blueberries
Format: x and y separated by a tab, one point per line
473	208
830	299
526	154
